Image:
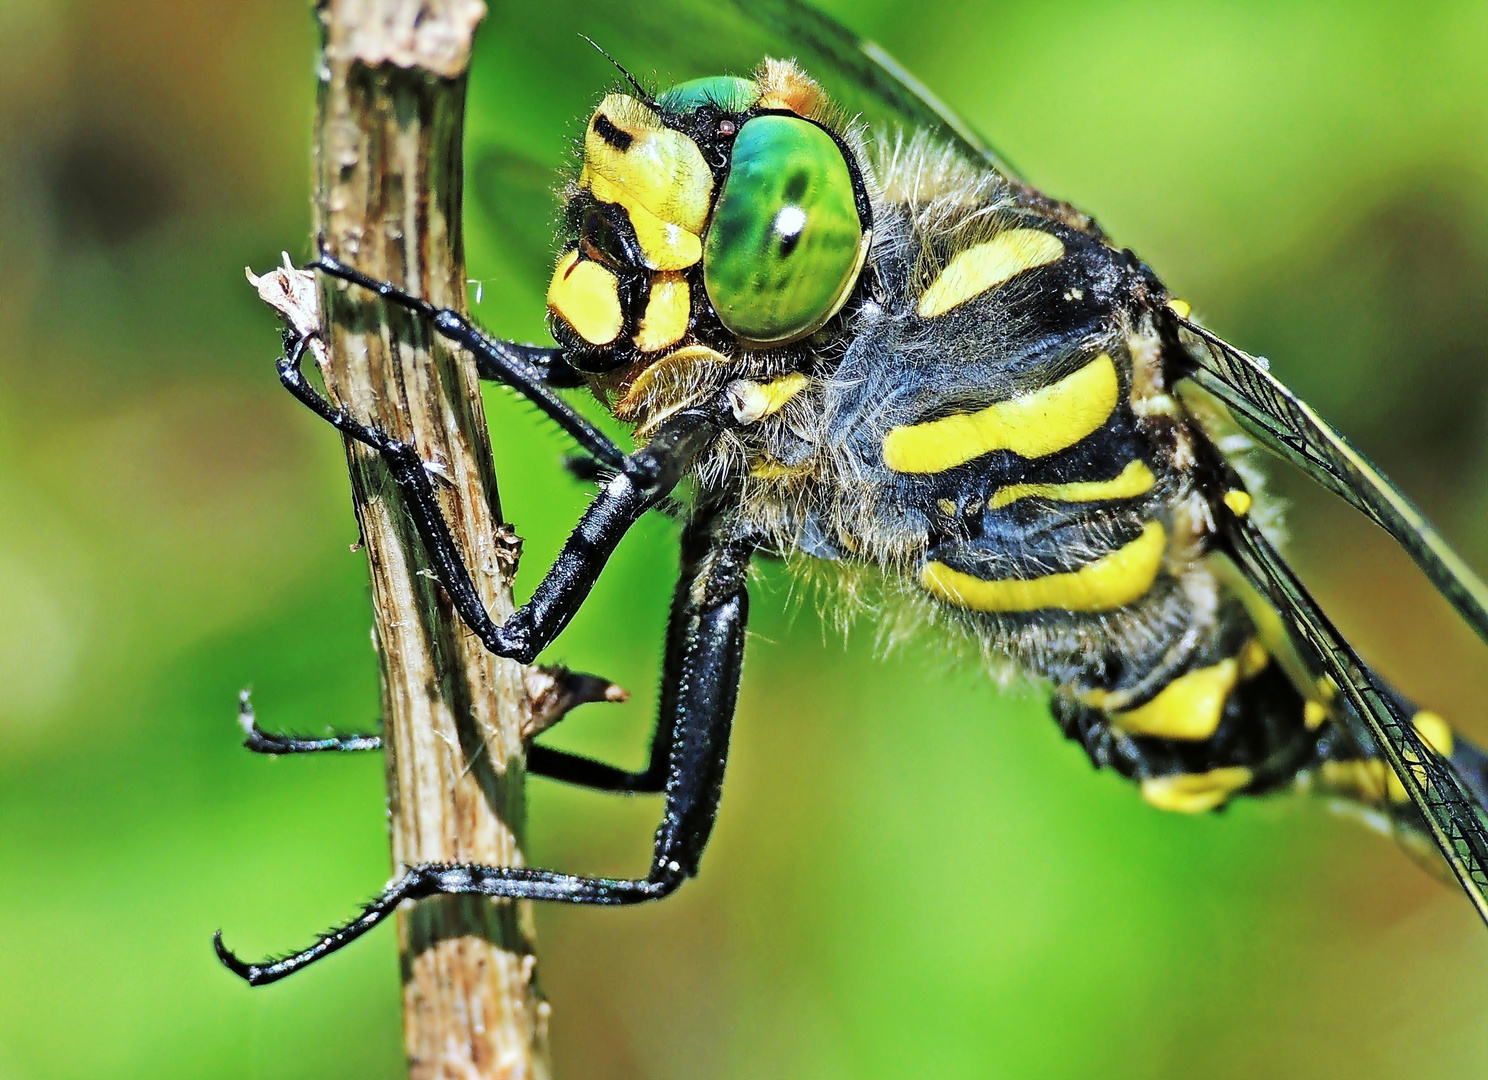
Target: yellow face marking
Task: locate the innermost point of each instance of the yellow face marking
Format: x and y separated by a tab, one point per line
664	244
586	296
1189	707
1194	793
1048	419
669	371
1136	479
946	507
1238	501
1314	713
985	266
667	310
1107	583
1253	659
754	401
656	173
1181	308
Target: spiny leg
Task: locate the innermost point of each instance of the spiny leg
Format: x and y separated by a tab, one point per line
700	682
408	471
646	477
542	761
586	772
574	688
260	741
531	370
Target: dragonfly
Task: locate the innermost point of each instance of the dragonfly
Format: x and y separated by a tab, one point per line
827	304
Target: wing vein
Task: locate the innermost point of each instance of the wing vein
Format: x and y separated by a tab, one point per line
1289	427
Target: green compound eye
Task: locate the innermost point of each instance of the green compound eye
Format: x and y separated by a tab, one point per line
785	244
725	91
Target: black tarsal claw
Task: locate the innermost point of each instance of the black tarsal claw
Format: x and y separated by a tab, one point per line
249	973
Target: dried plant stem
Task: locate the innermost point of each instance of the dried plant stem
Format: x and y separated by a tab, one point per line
388	201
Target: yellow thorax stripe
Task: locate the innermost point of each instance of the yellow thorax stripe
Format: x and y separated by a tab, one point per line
1047	420
984	266
1136	479
1109	582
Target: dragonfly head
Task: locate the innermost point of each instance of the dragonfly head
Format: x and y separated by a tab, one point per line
724	213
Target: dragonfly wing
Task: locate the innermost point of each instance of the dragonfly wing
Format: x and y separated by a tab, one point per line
846	62
522	46
1289	427
1449	810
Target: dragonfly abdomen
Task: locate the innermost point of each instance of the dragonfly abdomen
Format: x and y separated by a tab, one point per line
1205	723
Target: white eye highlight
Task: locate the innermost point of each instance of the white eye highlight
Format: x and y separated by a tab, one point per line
789	221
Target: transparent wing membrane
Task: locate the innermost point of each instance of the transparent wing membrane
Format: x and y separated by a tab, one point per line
1448	808
1290	428
668	41
868	67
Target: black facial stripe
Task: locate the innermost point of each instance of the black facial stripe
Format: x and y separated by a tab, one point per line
607	229
620	140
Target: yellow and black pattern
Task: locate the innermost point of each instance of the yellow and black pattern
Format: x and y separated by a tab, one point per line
1000	429
991	418
877	348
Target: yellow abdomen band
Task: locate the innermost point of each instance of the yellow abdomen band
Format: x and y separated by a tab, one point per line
1109	582
1189	707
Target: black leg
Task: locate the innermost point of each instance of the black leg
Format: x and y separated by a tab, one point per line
700	687
645	479
542	761
555	692
530	370
648	476
585	772
260	741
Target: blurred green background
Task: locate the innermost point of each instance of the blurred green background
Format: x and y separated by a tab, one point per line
912	876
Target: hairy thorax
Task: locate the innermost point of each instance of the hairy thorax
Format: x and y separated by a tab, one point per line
1022	425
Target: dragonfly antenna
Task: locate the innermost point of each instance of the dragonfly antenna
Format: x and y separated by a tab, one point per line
645	94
